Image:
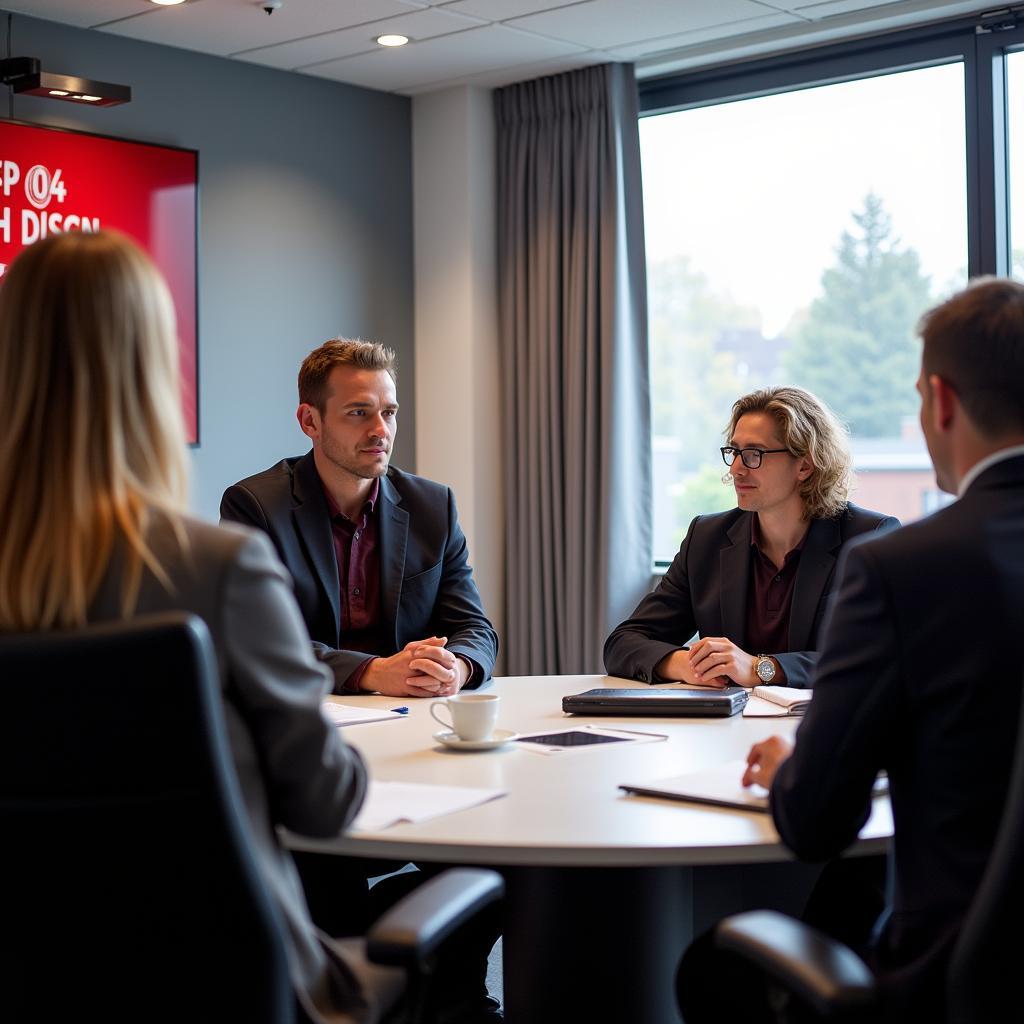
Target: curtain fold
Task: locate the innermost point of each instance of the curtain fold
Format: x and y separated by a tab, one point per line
573	333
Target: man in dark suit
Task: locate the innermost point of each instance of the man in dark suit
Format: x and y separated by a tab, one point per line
377	556
754	582
920	671
381	573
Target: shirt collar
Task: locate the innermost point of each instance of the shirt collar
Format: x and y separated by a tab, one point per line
987	463
368	505
755	538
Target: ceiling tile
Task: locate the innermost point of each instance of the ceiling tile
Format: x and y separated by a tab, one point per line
824	9
897	11
495	78
229	26
419	25
603	24
443	58
501	10
83	15
663	44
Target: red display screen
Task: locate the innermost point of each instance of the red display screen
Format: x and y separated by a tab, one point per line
53	180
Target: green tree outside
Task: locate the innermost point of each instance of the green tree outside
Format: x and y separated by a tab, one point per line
858	346
693	386
702	493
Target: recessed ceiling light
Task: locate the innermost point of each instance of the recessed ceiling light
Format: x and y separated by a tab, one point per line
167	3
392	39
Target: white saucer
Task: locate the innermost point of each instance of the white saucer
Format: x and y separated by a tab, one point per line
498	739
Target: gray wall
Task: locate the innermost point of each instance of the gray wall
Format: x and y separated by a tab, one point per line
305	224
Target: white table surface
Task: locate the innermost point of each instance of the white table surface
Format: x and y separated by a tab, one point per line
566	809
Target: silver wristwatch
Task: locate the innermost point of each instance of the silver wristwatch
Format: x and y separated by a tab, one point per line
765	668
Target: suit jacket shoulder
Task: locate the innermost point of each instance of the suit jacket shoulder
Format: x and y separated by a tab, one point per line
856	520
273	489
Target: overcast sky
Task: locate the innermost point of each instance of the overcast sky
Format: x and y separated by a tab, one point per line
757	192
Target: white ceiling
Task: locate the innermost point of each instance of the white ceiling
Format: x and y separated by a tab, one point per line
489	42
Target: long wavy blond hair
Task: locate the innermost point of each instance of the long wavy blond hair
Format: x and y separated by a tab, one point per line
93	438
807	428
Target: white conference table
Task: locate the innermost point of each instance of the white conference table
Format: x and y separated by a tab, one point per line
604	889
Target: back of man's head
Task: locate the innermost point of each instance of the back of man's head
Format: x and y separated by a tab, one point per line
317	366
975	342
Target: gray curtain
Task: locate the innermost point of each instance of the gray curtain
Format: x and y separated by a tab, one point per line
573	332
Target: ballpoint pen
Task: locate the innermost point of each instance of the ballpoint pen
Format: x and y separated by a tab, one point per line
400	711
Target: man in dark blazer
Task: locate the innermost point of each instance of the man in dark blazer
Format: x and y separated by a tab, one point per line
381	573
377	556
920	671
754	582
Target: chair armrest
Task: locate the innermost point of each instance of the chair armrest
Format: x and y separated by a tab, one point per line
411	931
827	975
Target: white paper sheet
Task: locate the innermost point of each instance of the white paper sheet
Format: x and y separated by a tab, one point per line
350	714
389	803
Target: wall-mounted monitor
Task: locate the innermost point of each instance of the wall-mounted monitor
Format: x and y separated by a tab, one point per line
55	180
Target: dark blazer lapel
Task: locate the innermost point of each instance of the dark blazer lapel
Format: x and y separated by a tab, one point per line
393	524
817	562
313	523
734	565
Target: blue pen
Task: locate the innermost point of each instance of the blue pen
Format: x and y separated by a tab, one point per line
400	711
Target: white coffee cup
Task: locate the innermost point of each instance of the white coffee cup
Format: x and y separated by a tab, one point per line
473	714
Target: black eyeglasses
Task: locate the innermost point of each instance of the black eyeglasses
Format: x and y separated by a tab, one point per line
751	456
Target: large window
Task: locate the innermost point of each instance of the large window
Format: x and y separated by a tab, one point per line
1015	121
796	231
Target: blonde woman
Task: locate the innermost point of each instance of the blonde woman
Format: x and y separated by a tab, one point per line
93	488
754	582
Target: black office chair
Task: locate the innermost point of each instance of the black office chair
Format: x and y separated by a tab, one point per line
128	885
808	973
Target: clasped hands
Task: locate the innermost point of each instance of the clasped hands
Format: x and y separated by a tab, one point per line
713	661
423	668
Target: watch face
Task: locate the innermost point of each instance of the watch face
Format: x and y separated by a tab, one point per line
765	671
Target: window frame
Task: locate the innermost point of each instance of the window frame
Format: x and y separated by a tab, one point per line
979	42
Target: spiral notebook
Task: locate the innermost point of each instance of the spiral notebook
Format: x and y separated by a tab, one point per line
777	702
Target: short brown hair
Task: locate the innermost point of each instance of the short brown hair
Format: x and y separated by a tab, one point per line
975	342
317	366
808	429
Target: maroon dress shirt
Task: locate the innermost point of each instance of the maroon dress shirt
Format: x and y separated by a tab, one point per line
770	597
358	558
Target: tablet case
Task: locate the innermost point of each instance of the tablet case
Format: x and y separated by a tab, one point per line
658	703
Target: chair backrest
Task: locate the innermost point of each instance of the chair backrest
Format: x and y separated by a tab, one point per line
983	979
128	889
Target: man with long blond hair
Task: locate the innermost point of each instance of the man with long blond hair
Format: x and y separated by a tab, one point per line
754	582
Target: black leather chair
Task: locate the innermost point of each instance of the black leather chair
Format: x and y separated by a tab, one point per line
128	887
810	974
